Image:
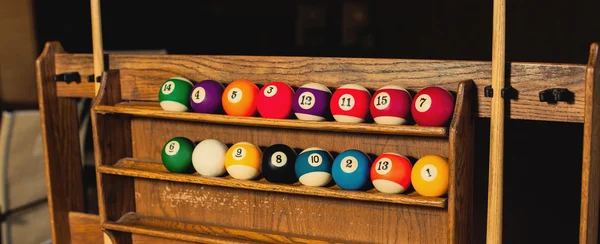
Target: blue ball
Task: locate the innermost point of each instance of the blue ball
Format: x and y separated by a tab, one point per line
313	167
351	170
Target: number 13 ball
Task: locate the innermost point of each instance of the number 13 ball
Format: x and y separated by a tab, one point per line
391	173
430	176
275	100
351	170
432	106
174	94
239	98
350	103
390	105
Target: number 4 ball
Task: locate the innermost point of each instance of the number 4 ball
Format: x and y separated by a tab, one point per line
430	176
206	97
391	173
432	106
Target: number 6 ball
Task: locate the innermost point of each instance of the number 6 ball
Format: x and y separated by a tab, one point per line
432	106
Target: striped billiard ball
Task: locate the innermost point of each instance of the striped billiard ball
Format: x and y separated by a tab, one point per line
313	167
243	161
350	103
311	102
391	173
174	94
390	105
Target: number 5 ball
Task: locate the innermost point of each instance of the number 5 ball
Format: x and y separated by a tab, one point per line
275	100
243	160
239	98
350	103
351	170
174	94
391	173
390	105
432	106
430	176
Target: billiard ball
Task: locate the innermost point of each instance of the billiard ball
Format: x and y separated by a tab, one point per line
432	106
390	105
239	98
430	176
350	103
313	167
391	173
243	160
177	155
275	100
351	170
208	157
206	97
174	94
278	164
311	102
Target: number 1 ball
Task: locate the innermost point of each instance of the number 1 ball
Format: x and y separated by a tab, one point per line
177	155
390	105
242	161
432	106
351	170
391	173
350	103
275	100
311	102
313	167
430	176
174	94
206	97
239	98
278	164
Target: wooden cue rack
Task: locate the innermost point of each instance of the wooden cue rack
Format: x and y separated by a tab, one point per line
140	202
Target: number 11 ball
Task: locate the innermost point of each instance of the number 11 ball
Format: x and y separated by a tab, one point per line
174	94
275	100
177	155
391	173
206	97
432	106
350	103
351	170
278	164
390	105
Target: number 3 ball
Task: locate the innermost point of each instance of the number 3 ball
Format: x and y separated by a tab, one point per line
242	161
350	103
177	155
174	94
208	158
311	102
275	100
391	173
239	98
278	164
430	176
313	167
351	170
390	105
206	97
432	106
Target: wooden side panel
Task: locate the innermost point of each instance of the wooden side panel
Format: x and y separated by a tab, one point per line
60	132
85	228
82	63
590	179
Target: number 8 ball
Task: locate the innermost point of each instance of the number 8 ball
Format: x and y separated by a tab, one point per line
278	164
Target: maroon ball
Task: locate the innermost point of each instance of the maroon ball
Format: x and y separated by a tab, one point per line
206	97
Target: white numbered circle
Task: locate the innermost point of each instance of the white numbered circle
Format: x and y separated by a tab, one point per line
270	91
382	101
198	95
423	103
306	100
278	159
383	166
346	102
239	153
168	87
315	159
172	148
429	172
349	164
234	95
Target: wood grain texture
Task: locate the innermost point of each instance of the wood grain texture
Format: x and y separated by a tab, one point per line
142	76
59	124
144	239
82	63
155	170
590	178
85	228
97	44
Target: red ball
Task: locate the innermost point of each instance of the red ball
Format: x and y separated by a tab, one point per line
350	103
390	105
275	100
391	173
432	106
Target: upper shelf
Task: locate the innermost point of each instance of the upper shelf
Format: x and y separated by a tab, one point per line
153	110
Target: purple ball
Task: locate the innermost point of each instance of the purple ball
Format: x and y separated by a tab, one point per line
206	97
311	102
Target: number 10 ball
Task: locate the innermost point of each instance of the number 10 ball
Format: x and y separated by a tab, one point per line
311	102
313	167
174	94
432	106
391	173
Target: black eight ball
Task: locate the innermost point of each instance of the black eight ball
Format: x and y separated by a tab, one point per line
278	164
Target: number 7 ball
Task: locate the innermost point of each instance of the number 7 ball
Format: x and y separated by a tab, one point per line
432	106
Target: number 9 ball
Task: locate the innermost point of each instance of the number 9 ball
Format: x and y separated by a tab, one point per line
278	164
432	106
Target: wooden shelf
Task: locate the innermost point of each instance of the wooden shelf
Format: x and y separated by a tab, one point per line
155	170
153	110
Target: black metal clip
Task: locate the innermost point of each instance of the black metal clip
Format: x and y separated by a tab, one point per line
553	95
506	92
90	78
68	77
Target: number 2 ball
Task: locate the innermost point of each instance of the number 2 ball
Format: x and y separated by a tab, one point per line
243	160
390	105
275	100
430	176
313	167
206	97
278	164
239	98
350	103
311	102
351	170
174	94
177	155
432	106
391	173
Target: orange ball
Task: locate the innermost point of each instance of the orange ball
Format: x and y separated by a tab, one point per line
239	98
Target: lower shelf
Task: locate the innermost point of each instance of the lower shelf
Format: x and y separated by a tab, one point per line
155	170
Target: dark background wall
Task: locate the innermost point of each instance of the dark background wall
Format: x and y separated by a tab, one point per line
542	161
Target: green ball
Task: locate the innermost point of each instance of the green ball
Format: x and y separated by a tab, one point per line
177	155
174	94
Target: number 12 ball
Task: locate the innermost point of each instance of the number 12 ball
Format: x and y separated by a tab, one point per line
391	173
206	97
275	100
311	102
390	105
351	170
432	106
174	94
239	98
177	155
278	164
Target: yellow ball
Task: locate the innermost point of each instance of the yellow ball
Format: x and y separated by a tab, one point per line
429	176
243	161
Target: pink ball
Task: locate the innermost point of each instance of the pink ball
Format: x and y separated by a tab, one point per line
350	103
390	105
433	106
275	100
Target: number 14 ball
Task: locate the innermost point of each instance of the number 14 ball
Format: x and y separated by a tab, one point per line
432	106
174	94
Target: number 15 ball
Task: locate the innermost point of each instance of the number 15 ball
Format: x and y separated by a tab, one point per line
390	105
432	106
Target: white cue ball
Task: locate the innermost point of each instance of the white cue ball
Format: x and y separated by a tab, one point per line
208	157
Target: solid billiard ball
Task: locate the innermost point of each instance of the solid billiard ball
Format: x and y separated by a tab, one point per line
391	173
208	157
239	98
243	161
278	164
313	167
174	94
177	155
206	97
311	102
430	176
390	105
350	103
351	170
432	106
275	100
